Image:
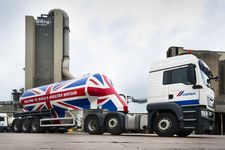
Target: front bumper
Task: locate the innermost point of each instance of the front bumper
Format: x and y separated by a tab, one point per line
197	118
206	120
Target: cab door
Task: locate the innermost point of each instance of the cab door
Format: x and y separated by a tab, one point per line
180	90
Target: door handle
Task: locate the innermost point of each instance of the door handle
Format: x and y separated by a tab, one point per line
170	96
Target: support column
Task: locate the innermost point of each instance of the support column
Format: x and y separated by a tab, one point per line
58	45
30	52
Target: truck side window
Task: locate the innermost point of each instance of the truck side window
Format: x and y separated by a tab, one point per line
175	76
2	119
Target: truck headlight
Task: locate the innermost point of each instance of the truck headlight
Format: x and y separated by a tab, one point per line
204	113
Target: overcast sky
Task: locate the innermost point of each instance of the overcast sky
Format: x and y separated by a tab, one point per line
119	38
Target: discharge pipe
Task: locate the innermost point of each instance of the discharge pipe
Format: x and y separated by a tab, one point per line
129	99
66	31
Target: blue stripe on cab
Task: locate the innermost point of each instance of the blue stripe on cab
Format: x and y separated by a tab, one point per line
188	102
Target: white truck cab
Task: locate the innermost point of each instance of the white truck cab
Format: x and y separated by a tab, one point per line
180	97
3	122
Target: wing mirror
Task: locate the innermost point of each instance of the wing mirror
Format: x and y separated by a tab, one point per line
216	78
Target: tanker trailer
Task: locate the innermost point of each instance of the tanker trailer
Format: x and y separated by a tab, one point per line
86	102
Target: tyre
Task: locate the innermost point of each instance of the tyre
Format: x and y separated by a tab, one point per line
114	124
17	125
26	125
92	125
184	133
165	124
35	125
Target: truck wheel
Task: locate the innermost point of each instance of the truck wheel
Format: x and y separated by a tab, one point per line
26	125
35	125
184	133
92	125
17	125
165	124
114	124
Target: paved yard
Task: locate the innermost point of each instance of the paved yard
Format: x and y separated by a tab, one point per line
11	141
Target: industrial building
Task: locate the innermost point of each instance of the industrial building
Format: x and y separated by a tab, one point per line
216	62
46	53
12	106
47	49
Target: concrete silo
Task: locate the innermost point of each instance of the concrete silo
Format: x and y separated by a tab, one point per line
47	48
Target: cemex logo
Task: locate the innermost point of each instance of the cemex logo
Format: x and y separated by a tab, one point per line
182	93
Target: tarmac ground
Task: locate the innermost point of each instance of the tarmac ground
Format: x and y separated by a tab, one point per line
72	141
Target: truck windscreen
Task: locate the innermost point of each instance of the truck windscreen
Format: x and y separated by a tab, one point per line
205	73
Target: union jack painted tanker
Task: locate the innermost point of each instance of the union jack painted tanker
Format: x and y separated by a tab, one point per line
180	100
57	105
89	92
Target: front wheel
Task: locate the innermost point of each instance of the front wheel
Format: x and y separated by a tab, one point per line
165	124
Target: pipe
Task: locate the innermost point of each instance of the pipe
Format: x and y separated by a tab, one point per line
66	31
134	100
65	68
140	100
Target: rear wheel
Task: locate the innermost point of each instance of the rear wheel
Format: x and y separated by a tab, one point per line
184	133
92	125
115	124
26	125
35	125
165	124
17	125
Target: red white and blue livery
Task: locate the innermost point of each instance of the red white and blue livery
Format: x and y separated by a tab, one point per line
88	92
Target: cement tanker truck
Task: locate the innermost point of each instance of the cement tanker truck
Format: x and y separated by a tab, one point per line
64	104
180	100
